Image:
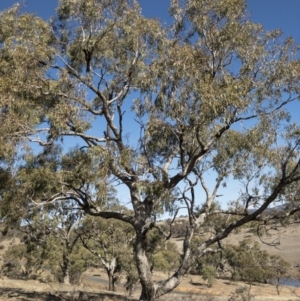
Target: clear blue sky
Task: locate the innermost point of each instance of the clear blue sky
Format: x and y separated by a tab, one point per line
284	14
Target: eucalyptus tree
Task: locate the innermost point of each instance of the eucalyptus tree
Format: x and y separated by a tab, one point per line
20	46
49	228
51	239
107	240
155	110
249	263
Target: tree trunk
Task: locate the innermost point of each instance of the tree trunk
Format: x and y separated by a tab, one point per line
65	270
148	288
145	296
129	286
111	283
110	268
66	279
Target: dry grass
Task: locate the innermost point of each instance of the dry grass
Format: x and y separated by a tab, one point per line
192	288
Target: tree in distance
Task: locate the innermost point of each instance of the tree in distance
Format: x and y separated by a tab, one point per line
168	114
107	240
245	262
250	263
50	242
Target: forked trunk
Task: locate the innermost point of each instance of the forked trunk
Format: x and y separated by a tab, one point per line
111	283
110	267
150	290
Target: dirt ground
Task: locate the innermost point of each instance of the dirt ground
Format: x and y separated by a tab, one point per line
195	286
191	288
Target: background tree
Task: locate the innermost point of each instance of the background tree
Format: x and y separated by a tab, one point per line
167	259
32	259
162	254
11	262
250	263
128	267
207	94
246	262
209	274
51	240
211	261
107	240
277	269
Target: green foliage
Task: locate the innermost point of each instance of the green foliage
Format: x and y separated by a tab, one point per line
50	242
163	255
246	262
166	259
80	259
12	262
209	274
210	260
215	223
250	263
127	265
33	260
109	242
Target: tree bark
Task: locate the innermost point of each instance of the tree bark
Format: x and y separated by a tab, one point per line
110	268
65	270
145	296
66	278
111	283
148	288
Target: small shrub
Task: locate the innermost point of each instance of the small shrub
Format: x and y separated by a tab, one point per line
241	294
209	274
236	276
13	270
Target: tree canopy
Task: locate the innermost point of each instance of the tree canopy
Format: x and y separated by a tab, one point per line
101	96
